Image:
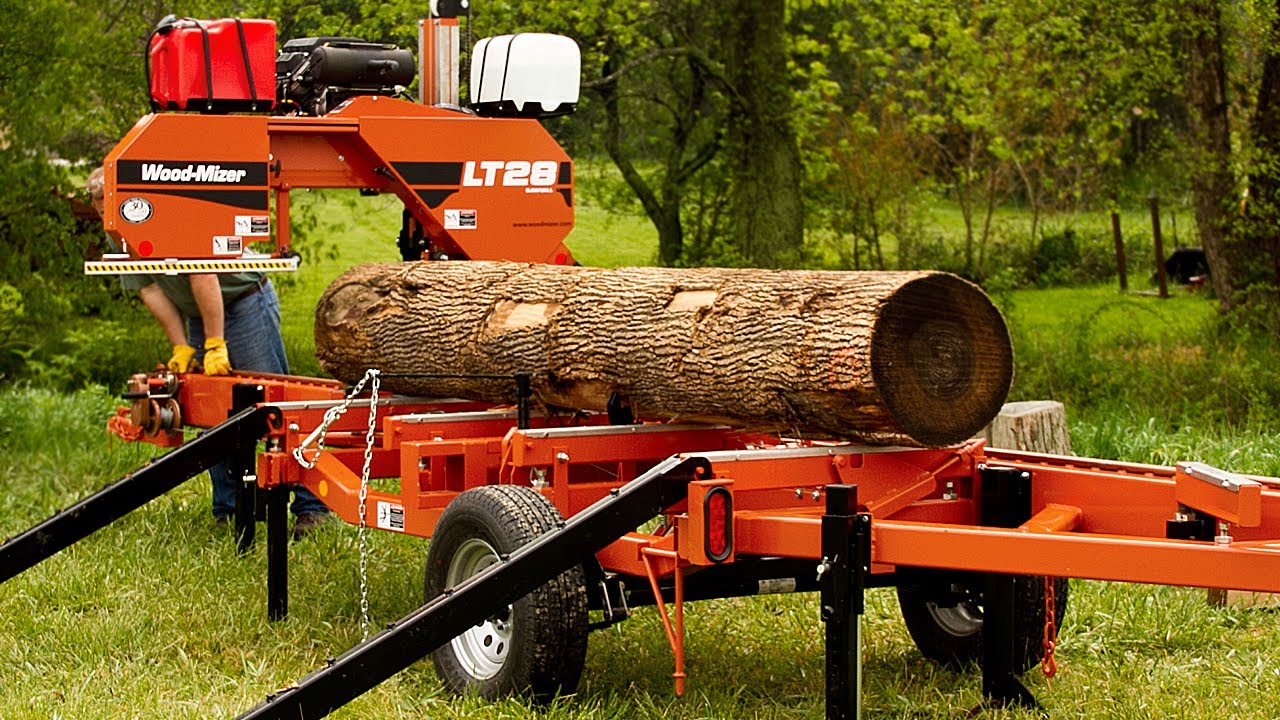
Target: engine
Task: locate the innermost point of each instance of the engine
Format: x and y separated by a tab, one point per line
314	75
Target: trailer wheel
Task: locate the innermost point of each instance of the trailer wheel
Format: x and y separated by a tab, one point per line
538	645
944	618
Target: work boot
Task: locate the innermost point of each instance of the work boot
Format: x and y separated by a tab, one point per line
308	521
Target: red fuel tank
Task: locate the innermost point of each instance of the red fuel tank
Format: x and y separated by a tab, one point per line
234	57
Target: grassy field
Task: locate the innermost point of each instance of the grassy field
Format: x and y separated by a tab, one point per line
156	616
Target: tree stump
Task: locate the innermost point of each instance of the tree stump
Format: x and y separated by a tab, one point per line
911	358
1031	426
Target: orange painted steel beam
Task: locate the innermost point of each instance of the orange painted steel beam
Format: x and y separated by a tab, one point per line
338	486
206	399
1054	518
1092	518
1124	498
1098	557
613	443
1223	495
1245	566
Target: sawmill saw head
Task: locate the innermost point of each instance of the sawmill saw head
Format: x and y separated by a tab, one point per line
203	183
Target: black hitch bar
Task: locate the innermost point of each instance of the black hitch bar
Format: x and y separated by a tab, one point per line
72	524
417	634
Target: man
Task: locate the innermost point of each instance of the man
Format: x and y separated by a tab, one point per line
222	321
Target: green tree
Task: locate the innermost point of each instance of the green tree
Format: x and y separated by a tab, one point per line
1261	227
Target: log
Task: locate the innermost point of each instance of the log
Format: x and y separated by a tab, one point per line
889	358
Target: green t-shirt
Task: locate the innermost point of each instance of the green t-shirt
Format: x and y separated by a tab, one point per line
178	287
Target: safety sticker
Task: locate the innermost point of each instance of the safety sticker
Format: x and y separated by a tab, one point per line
390	516
459	219
228	245
253	225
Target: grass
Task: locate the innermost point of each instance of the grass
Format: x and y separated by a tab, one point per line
1140	361
156	616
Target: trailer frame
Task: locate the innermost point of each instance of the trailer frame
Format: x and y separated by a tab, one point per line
761	514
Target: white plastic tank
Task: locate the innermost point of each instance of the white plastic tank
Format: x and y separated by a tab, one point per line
525	75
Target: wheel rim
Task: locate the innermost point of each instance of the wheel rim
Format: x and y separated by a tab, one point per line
960	620
482	649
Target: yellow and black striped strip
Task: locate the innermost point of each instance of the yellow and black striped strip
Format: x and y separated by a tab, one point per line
184	267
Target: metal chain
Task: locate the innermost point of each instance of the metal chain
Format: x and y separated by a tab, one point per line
364	494
1048	664
331	415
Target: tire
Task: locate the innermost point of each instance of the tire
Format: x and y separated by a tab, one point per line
943	615
539	645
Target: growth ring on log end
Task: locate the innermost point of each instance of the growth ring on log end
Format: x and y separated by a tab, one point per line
942	360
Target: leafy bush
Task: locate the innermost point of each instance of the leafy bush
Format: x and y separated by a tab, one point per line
1057	259
104	352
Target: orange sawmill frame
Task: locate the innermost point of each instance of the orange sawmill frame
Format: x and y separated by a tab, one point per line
1089	518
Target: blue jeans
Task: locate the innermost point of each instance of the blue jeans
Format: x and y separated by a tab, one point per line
251	327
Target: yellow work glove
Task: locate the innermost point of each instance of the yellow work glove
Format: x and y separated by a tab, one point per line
181	362
216	361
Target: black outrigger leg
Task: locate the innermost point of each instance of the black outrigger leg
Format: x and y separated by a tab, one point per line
134	490
240	467
411	638
846	562
1006	503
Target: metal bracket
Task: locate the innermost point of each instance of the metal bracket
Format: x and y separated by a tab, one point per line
1215	492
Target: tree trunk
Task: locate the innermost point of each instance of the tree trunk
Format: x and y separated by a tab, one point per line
916	358
1263	213
1038	426
768	210
1208	122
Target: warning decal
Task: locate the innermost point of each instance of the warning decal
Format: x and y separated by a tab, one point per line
253	225
390	516
459	219
227	245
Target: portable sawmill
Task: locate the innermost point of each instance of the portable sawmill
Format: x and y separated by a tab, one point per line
531	487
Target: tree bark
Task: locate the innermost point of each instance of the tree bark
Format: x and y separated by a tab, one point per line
1262	227
768	209
1038	426
1208	123
914	358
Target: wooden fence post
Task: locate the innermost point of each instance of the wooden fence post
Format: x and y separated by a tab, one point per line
1120	265
1155	233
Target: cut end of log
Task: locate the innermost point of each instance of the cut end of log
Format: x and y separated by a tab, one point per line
941	359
